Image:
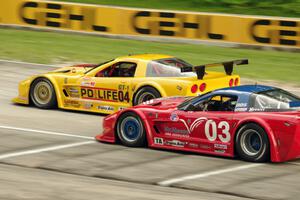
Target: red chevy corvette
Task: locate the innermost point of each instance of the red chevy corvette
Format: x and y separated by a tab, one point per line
254	122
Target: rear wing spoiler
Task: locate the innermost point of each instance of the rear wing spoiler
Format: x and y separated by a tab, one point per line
228	67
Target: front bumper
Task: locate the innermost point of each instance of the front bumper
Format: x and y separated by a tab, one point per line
23	97
108	133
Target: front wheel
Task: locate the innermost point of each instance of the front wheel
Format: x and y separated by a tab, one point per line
252	143
42	94
145	94
130	130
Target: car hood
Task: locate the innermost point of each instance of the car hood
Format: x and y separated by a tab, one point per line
75	69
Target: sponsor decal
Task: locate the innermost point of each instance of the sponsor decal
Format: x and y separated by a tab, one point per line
219	151
49	14
88	83
174	117
241	105
204	146
104	94
193	145
240	109
87	105
106	108
220	146
71	103
175	130
159	141
256	109
123	87
121	108
175	143
98	19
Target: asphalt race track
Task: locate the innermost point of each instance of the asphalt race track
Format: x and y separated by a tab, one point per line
51	154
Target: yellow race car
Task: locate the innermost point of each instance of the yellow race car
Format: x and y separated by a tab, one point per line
123	82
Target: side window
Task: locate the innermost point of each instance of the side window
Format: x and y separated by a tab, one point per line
217	103
120	69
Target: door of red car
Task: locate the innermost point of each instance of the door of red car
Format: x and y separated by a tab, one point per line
209	123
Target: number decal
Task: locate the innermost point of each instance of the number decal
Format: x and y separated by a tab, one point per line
211	131
225	131
211	135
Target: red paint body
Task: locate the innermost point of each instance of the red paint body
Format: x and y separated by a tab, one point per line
282	128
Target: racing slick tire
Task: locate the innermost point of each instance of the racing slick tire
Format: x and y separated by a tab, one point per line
131	131
145	94
252	143
42	94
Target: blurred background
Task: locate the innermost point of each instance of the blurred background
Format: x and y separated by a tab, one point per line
198	38
38	35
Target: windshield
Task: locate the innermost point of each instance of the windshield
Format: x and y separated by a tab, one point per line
191	101
273	100
98	65
168	67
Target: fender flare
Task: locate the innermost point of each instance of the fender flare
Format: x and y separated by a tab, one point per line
149	84
144	121
55	85
274	150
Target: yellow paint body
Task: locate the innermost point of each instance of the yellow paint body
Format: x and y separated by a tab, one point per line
77	88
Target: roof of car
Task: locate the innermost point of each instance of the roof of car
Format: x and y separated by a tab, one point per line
146	56
248	88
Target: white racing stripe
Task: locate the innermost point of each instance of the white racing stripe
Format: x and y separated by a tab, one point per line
45	132
206	174
53	148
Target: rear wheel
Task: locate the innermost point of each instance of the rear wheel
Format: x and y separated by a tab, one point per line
145	94
130	130
42	94
252	143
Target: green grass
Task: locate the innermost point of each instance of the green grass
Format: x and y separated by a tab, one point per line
49	47
287	8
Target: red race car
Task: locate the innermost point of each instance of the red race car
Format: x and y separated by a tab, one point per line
255	122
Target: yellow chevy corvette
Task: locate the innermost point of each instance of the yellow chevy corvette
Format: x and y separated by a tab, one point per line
123	82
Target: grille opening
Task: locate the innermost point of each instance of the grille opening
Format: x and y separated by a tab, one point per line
65	93
156	129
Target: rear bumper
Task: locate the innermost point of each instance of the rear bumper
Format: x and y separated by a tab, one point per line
213	83
288	144
294	151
